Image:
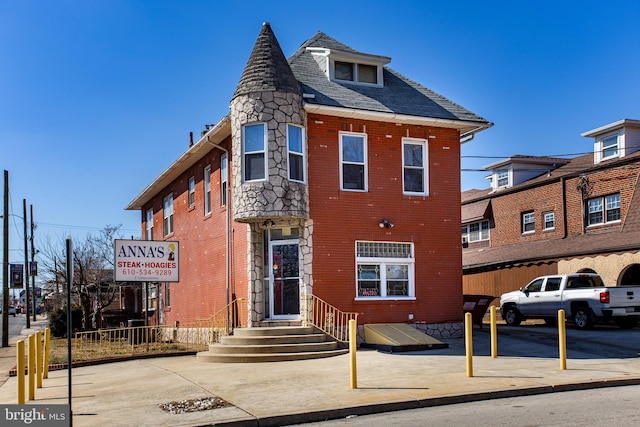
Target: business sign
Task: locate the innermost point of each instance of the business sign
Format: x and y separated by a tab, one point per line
146	261
17	275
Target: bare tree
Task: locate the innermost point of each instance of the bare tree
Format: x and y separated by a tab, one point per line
93	287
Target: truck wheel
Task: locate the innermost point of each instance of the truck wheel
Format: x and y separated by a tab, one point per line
512	316
582	318
626	322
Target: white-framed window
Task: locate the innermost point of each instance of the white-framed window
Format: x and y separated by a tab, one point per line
503	178
476	231
254	150
549	220
167	294
602	210
353	161
528	222
192	191
152	298
206	178
384	270
224	174
610	147
367	74
148	226
415	175
168	214
296	149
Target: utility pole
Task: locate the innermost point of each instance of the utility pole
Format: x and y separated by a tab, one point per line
5	264
33	260
26	263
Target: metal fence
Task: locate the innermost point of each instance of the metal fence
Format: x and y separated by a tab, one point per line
159	339
330	320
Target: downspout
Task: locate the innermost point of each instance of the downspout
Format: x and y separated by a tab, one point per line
565	230
227	221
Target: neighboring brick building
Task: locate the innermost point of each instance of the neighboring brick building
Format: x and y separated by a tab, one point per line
546	215
332	176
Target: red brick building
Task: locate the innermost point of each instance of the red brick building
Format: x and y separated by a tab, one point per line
332	176
546	215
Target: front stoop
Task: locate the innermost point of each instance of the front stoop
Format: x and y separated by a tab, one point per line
271	344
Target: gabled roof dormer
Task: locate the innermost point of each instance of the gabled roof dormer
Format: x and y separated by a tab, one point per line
348	66
615	140
517	169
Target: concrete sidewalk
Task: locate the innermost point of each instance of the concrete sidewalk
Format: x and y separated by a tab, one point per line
280	393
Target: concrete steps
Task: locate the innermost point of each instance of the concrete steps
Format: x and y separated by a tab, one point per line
271	344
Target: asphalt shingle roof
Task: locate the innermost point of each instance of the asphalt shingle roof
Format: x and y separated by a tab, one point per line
398	95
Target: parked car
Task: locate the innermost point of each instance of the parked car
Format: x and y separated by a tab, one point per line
11	311
584	298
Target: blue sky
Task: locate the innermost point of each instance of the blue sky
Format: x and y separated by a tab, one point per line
98	97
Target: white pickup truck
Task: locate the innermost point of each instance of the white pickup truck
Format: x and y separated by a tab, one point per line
584	298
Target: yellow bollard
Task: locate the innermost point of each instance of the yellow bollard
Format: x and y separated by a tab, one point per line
47	350
562	339
494	332
32	367
352	352
20	371
39	359
468	339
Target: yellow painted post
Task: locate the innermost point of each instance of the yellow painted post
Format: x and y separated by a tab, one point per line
39	359
32	367
352	352
47	350
20	371
562	339
494	332
468	339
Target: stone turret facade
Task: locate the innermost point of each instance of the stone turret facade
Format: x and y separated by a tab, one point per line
267	93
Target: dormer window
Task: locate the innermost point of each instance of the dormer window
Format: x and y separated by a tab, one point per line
610	147
351	67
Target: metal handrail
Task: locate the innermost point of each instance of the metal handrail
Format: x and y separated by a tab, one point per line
329	319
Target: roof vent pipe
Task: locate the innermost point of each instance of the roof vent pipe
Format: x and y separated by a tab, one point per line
190	139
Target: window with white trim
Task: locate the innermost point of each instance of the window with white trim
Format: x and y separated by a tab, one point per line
168	214
414	167
357	73
207	189
528	222
603	210
148	234
353	161
549	219
610	148
476	231
384	270
192	191
502	178
223	179
295	147
254	150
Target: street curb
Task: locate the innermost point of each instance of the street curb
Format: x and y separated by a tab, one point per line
337	413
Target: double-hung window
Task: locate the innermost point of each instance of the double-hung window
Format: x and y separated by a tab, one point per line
192	192
610	147
254	149
414	167
353	161
148	234
528	222
207	189
223	179
602	210
384	270
295	146
549	220
168	214
502	178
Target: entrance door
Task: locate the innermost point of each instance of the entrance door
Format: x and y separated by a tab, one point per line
285	279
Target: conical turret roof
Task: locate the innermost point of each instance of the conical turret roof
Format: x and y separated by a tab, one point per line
267	68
